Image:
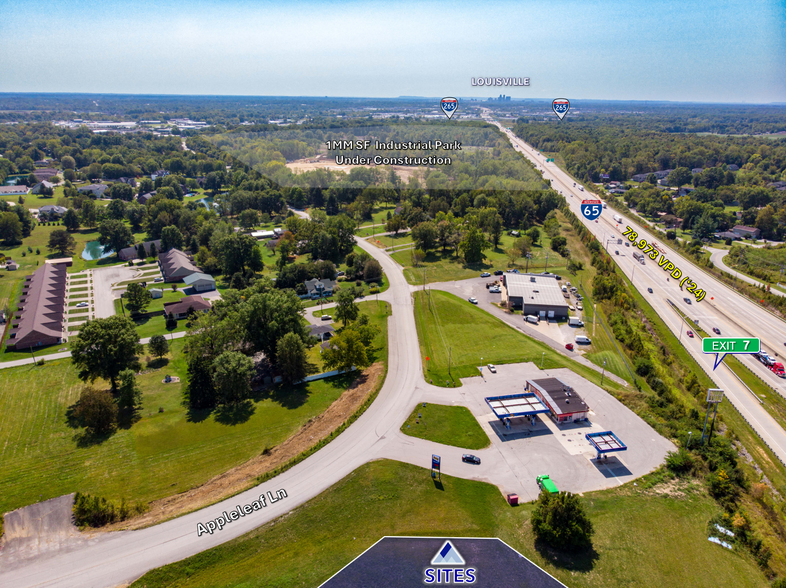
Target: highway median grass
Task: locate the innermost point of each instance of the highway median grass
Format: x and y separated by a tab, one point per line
304	548
449	425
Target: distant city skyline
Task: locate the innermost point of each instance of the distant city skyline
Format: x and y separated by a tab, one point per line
727	52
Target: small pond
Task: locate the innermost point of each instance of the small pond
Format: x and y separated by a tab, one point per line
94	250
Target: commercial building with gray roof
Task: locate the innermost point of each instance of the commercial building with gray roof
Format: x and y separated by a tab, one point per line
536	294
41	309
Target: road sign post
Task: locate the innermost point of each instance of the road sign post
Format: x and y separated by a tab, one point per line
714	396
435	469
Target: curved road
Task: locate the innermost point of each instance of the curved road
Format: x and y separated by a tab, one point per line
716	257
116	558
723	308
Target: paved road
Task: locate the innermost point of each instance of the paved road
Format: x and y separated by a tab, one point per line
64	354
723	308
716	257
116	558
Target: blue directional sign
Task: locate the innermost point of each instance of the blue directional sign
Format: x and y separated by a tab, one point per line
591	209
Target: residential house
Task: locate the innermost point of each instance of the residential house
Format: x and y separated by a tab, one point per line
200	282
733	167
182	307
42	187
95	190
640	177
747	232
156	293
41	309
51	212
130	181
697	170
44	173
131	252
727	235
319	288
176	265
159	174
143	198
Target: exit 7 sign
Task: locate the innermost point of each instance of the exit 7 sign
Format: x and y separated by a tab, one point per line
720	346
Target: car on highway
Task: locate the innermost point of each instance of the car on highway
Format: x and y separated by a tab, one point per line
687	300
649	290
485	275
716	330
469	458
690	334
492	368
569	346
596	221
498	273
473	300
82	305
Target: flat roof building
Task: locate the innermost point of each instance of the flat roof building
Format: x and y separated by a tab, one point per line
563	402
536	294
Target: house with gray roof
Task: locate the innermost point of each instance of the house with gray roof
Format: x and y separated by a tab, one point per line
176	265
131	252
200	282
95	190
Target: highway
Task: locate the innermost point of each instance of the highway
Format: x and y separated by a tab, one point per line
722	308
111	559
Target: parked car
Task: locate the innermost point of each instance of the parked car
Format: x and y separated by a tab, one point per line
559	278
690	334
649	290
687	300
498	273
569	346
716	330
492	368
326	317
495	290
82	305
340	273
473	300
159	279
468	458
485	275
545	483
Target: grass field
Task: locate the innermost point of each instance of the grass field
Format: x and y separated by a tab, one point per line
449	425
445	267
168	451
306	547
448	325
379	215
392	240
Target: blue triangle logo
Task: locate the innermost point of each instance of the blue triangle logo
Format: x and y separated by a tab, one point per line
447	555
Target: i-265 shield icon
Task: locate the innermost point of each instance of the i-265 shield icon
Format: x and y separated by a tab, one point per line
449	106
560	107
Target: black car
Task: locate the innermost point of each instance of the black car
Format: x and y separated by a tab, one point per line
498	273
687	300
467	458
649	290
716	330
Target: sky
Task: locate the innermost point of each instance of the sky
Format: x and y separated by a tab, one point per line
720	51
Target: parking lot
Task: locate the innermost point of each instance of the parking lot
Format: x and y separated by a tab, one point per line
517	456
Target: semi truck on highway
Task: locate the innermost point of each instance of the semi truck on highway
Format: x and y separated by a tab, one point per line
638	256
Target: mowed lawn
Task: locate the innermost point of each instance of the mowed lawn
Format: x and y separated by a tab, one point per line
450	325
445	266
449	425
643	539
168	451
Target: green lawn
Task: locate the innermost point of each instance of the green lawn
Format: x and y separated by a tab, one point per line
380	215
166	452
449	425
445	267
313	542
448	325
391	240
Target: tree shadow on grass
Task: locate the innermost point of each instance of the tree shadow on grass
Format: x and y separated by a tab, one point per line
197	415
235	414
158	363
579	560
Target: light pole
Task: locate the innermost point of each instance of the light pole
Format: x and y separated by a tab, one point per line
602	375
529	255
541	359
547	262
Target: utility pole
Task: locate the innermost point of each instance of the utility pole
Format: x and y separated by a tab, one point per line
547	262
541	359
449	352
602	375
528	256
